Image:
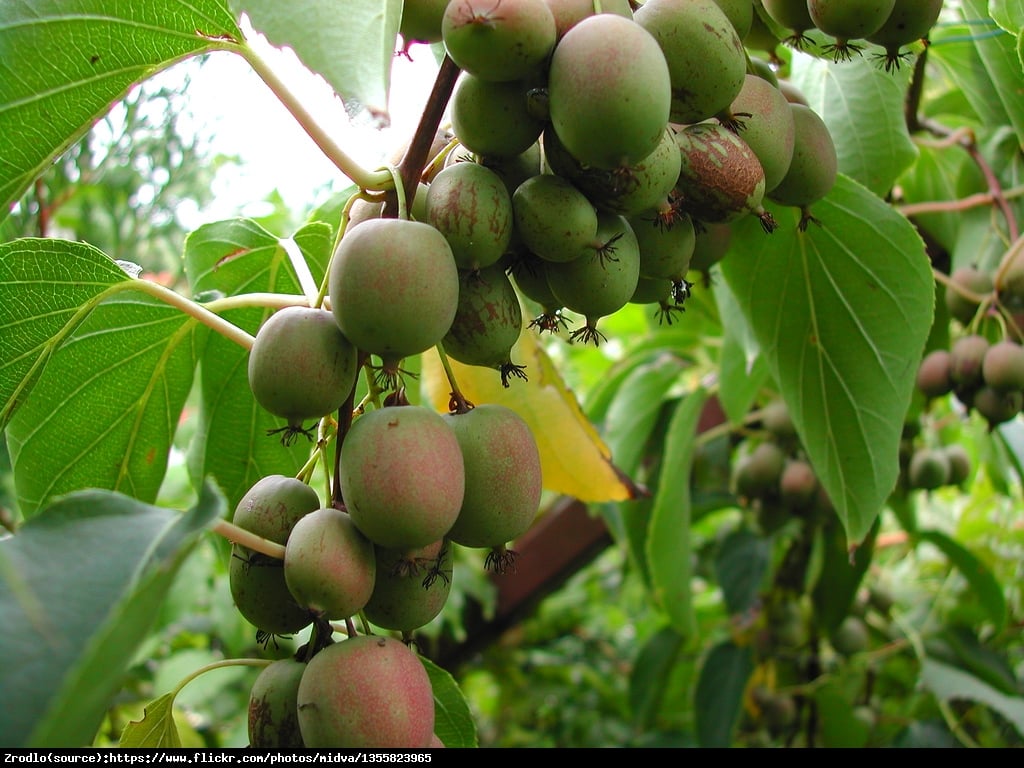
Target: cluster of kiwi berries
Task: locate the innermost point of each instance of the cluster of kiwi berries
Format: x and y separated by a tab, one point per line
851	24
598	156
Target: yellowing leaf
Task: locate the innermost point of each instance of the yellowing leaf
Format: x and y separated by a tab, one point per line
575	459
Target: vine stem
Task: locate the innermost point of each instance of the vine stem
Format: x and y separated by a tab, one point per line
237	535
361	177
220	665
459	403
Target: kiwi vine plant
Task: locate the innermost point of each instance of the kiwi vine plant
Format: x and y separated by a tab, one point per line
745	277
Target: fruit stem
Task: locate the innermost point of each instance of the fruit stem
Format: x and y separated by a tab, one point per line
201	313
237	535
359	175
458	402
219	665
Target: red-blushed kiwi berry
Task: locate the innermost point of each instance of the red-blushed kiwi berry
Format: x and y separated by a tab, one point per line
269	509
814	167
602	282
848	20
909	21
487	324
469	204
301	366
929	469
997	406
793	16
499	40
1002	368
965	282
503	476
273	712
366	692
777	419
934	377
761	115
721	178
608	91
568	13
798	484
394	287
402	476
411	587
705	56
553	217
493	119
329	564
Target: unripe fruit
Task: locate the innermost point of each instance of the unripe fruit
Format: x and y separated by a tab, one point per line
394	287
966	357
758	473
665	247
301	366
740	14
554	218
934	375
710	244
847	20
910	20
502	41
608	91
329	564
469	204
270	509
793	16
766	124
997	406
492	119
602	282
503	476
411	587
788	624
776	418
421	21
1003	366
798	484
488	323
959	463
366	691
973	280
721	178
402	476
928	470
705	56
273	719
851	636
814	166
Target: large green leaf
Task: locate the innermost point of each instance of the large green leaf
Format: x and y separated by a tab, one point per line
951	684
351	45
231	443
719	695
998	54
453	722
104	410
45	287
652	674
842	312
92	571
862	105
93	50
669	546
742	370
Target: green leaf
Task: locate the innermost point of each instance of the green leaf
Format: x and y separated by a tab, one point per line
156	729
842	312
101	564
105	409
652	674
951	684
719	697
841	574
985	588
44	286
453	722
998	54
742	370
1008	14
741	563
840	727
669	546
862	105
94	50
231	442
352	46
